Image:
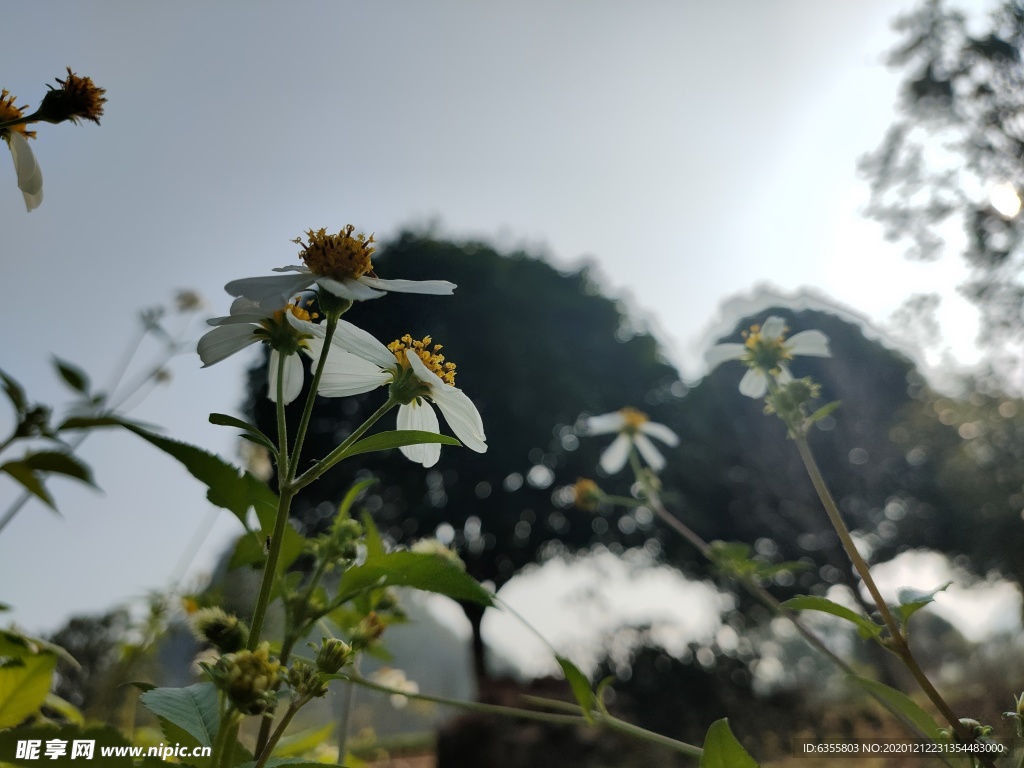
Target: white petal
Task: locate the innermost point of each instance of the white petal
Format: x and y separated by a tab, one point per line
432	287
754	383
459	411
605	423
270	287
719	353
222	342
293	376
784	376
30	178
614	457
357	341
812	343
421	417
649	453
660	431
348	289
773	327
293	268
346	374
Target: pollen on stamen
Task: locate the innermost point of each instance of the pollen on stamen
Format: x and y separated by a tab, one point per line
10	112
301	312
430	355
341	256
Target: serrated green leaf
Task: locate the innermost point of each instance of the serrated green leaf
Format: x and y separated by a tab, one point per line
902	705
427	572
30	481
865	626
227	486
88	422
383	441
14	393
580	687
193	709
251	432
101	736
60	463
24	687
723	750
913	600
72	375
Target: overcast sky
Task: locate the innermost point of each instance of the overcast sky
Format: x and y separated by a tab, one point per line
692	150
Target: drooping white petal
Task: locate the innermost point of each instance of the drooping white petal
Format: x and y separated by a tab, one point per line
224	341
605	423
271	287
720	353
292	373
614	457
344	373
348	289
811	343
459	411
353	339
649	453
773	327
420	416
660	431
754	383
432	287
30	178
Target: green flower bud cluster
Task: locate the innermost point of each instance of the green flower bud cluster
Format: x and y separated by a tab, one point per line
341	543
305	681
222	630
332	655
248	678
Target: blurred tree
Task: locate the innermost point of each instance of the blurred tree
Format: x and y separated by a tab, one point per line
535	348
953	154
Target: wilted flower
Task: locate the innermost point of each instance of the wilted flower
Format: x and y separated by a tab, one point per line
251	321
337	263
634	428
30	178
767	352
78	98
417	373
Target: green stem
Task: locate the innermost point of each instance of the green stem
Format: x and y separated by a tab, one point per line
338	453
278	733
307	411
898	641
346	715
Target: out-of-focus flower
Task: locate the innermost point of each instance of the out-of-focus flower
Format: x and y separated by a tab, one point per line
767	352
30	178
338	263
78	98
586	494
251	321
633	428
417	373
396	680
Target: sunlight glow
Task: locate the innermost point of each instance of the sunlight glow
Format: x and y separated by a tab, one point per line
1004	198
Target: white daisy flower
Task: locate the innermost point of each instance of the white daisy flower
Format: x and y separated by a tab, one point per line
251	321
633	429
30	178
337	263
358	363
766	352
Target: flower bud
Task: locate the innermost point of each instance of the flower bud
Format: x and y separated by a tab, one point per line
332	655
587	495
248	678
220	629
305	681
367	631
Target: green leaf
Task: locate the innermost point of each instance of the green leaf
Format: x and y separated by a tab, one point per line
303	742
900	704
282	762
65	709
374	543
251	432
251	549
61	463
825	410
30	481
428	572
722	750
383	441
866	628
580	687
913	600
345	508
73	376
103	736
14	393
89	422
228	486
24	687
193	709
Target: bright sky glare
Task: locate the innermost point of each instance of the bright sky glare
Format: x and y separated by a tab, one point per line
692	150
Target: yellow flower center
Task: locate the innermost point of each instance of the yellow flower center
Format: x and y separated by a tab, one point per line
634	419
341	256
765	353
429	355
10	112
